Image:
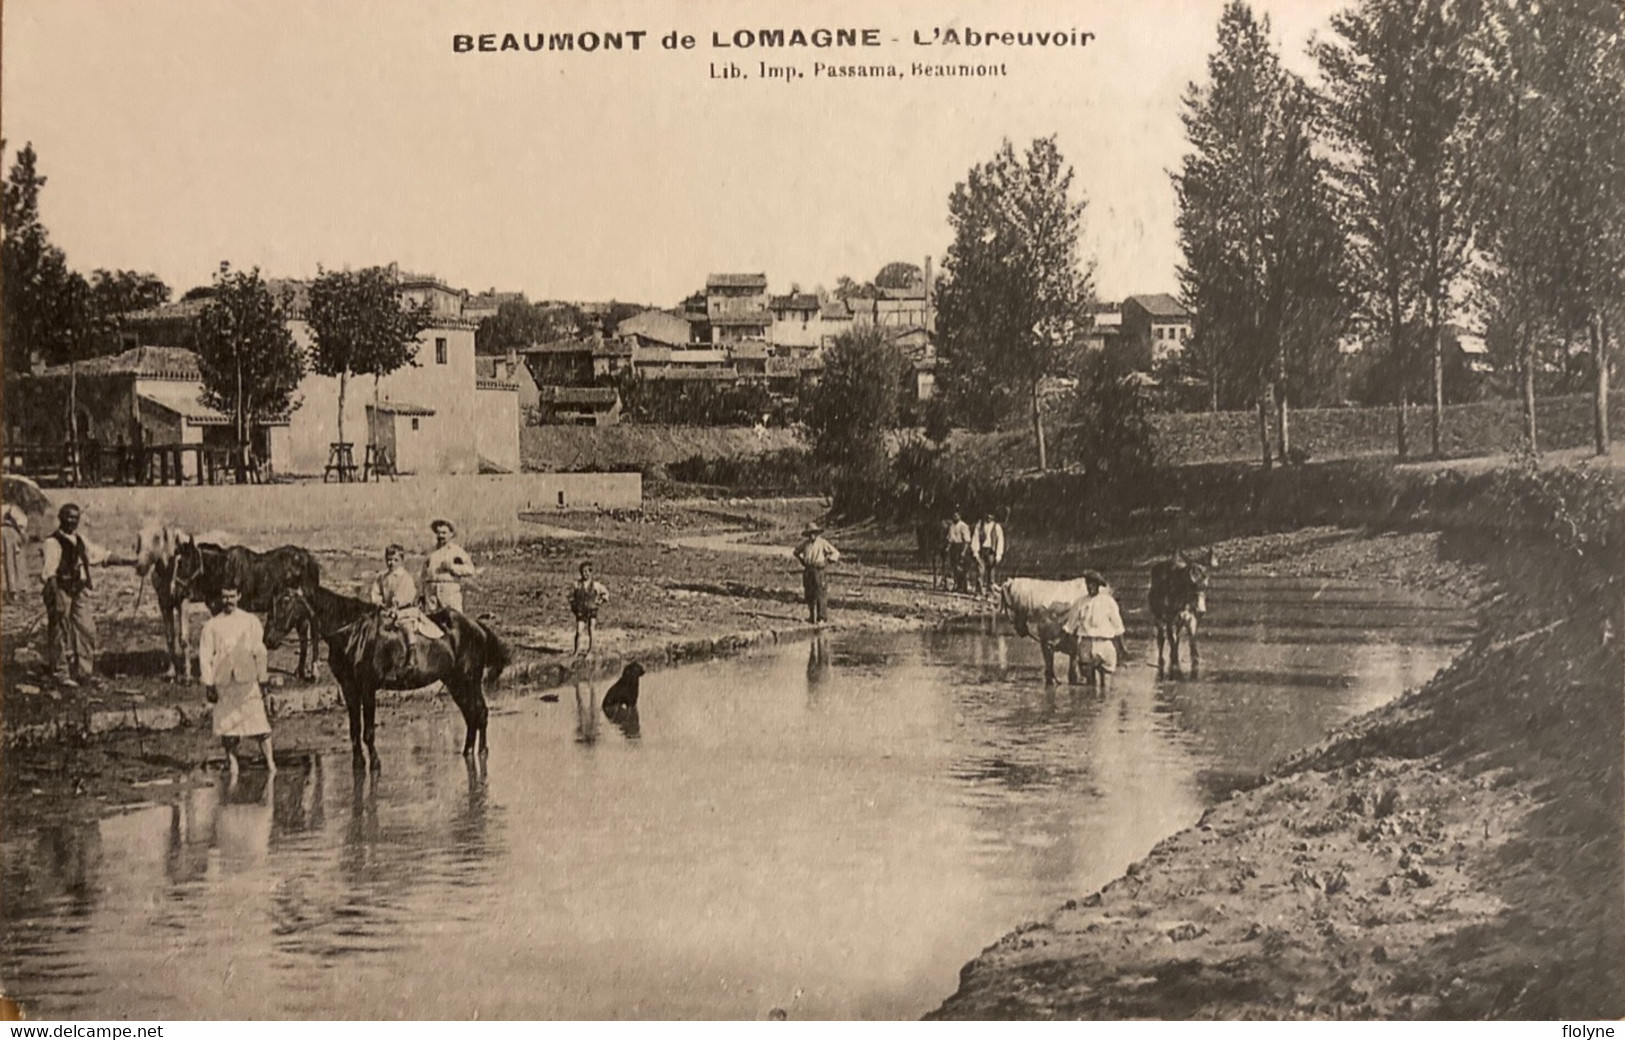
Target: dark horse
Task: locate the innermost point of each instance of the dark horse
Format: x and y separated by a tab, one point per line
1178	598
367	654
931	542
201	569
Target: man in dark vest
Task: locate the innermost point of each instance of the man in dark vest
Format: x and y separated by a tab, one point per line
71	631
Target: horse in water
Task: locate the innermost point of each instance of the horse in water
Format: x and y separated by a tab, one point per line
202	569
367	654
1178	599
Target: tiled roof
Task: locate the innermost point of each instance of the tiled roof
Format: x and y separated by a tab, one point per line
793	302
402	408
750	318
594	395
699	357
658	326
736	281
496	384
141	362
1161	305
562	346
694	374
182	399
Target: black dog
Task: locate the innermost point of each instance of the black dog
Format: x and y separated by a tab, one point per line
621	701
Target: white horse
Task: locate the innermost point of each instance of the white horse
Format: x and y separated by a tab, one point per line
1038	609
156	546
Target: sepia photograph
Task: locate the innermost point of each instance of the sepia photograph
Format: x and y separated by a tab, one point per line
812	511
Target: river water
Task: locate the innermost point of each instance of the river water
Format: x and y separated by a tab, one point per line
830	828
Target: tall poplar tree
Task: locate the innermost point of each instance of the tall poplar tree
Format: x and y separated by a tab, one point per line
1015	295
1264	261
1400	124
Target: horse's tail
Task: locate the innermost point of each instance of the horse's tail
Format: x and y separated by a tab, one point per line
497	654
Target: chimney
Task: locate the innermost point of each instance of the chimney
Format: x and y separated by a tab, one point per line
930	294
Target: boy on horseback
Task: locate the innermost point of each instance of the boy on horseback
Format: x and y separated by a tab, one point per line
395	592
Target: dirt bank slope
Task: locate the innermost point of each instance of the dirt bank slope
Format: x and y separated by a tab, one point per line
1457	854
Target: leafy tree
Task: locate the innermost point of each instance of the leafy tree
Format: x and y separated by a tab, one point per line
119	292
516	325
899	274
1579	87
1014	297
847	289
852	410
361	326
1111	431
250	362
1263	252
1399	119
40	292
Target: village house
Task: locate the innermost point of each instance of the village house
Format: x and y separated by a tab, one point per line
437	416
509	369
657	329
834	319
579	405
144	397
736	307
477	308
795	321
1106	327
1155	326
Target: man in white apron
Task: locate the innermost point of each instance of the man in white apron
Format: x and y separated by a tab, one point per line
232	662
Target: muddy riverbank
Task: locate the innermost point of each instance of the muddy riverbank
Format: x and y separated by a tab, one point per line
1456	854
1410	866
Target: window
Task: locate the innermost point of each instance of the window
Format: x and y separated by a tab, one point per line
440	350
414	422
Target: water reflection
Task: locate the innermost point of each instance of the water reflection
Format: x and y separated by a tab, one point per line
586	714
832	829
818	662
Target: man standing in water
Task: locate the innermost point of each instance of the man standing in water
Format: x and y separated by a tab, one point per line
814	554
1097	625
443	572
232	664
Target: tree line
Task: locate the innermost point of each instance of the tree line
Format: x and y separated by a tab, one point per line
251	365
1458	161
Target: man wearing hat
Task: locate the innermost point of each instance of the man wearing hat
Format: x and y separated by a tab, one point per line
960	555
443	572
65	575
1097	625
814	554
988	541
232	664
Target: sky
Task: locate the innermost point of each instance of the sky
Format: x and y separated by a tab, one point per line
297	134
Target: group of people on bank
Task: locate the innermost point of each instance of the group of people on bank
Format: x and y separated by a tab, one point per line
975	553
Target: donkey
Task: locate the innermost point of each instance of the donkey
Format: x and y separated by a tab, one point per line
1178	598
